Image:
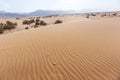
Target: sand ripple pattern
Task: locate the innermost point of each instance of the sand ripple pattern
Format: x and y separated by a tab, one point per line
62	52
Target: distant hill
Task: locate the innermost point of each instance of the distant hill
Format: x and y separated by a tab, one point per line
4	14
50	12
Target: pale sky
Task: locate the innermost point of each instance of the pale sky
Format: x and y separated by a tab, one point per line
32	5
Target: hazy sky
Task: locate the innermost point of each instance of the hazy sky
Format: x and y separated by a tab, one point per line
32	5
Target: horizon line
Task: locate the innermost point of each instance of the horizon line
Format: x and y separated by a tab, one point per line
80	10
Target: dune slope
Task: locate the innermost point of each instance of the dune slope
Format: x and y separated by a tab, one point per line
76	50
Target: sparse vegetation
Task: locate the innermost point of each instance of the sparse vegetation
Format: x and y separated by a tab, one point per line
38	22
87	16
25	22
103	15
1	28
114	14
26	28
32	21
57	22
17	18
28	22
43	23
36	26
7	26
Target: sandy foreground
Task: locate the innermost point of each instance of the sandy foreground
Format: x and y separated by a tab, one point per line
80	49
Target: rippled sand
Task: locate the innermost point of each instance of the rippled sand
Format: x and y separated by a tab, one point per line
77	50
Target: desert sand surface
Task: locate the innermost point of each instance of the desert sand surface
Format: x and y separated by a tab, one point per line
77	49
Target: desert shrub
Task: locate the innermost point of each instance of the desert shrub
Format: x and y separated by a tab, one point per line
37	20
27	22
114	14
103	15
43	23
17	18
32	21
37	23
9	25
1	24
36	26
87	15
26	27
1	28
57	22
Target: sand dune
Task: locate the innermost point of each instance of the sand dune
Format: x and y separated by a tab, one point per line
77	50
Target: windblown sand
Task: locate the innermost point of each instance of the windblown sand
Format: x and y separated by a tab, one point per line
75	50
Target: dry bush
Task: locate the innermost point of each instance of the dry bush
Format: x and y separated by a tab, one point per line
43	23
17	18
88	16
1	28
114	14
57	22
28	22
103	15
26	28
9	25
38	22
